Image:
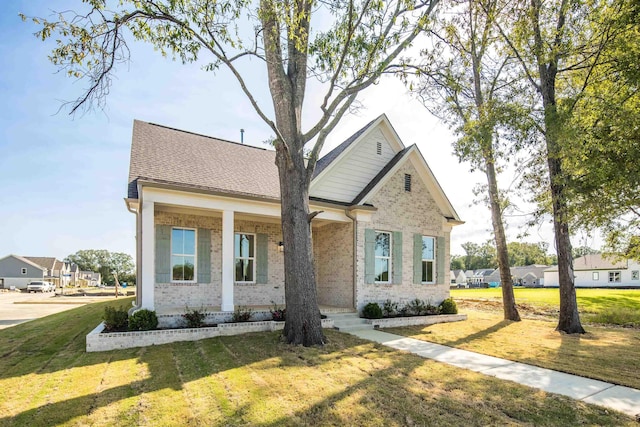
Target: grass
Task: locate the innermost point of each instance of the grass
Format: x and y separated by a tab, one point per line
603	306
46	379
604	353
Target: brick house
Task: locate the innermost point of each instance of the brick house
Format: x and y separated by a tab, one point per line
209	234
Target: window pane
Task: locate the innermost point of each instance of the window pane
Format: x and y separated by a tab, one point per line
244	270
244	245
189	268
182	267
427	247
427	271
177	270
189	247
382	270
177	241
382	244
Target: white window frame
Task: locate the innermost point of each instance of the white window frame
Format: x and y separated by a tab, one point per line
23	270
635	275
433	262
595	276
195	255
613	274
253	258
389	258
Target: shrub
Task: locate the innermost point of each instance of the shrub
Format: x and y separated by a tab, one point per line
372	311
417	307
448	306
389	308
143	320
115	319
278	314
194	318
241	314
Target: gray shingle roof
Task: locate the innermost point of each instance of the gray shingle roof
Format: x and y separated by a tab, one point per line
44	262
170	156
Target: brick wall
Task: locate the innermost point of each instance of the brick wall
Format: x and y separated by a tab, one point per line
333	253
173	297
408	212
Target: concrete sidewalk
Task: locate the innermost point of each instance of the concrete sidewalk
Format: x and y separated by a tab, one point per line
619	398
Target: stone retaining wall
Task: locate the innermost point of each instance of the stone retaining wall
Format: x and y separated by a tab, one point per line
98	341
416	320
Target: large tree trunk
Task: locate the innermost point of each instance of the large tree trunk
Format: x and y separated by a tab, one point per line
508	298
302	325
569	317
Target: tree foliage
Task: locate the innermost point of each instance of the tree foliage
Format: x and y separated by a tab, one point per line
358	41
603	164
104	262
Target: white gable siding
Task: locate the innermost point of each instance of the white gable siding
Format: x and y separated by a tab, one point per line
346	179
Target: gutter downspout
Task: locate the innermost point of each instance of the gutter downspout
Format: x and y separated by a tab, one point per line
355	256
138	302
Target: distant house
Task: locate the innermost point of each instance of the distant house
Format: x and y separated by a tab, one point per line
89	278
17	272
530	276
458	277
50	264
480	277
596	271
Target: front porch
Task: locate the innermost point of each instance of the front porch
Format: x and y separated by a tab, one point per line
236	256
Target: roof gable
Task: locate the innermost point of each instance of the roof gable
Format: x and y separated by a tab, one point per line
24	260
346	170
410	154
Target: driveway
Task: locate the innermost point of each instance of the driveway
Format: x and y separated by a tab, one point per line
18	307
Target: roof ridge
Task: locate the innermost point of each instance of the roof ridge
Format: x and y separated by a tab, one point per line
204	136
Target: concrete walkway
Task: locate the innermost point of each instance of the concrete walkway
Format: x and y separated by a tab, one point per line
619	398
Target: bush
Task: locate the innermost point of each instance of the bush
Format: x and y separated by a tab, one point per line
143	320
417	307
278	314
115	319
448	306
389	308
372	311
194	318
241	314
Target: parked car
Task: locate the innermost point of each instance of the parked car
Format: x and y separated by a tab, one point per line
40	286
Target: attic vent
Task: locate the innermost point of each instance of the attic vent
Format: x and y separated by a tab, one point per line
379	148
407	182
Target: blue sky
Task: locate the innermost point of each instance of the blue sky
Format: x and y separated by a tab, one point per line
63	178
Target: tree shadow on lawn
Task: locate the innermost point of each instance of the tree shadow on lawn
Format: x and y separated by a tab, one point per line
369	384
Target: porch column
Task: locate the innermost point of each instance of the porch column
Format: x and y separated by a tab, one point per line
148	255
227	260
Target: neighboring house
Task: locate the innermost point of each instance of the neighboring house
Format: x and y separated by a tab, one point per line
62	271
530	276
17	272
480	277
89	278
469	274
459	277
597	271
74	271
49	263
209	232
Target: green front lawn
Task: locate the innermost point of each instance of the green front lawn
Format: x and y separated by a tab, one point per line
605	306
47	379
